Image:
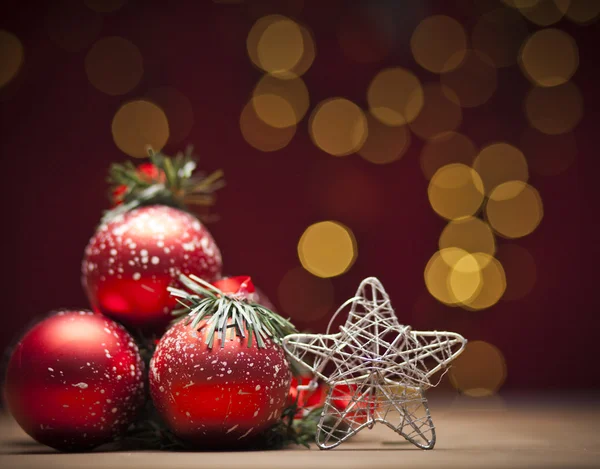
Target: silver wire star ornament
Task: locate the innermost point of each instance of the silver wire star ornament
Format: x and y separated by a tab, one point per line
376	369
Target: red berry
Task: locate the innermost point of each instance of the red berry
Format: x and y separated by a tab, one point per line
242	285
217	396
74	381
130	262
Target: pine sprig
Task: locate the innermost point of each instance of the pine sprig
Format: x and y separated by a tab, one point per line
175	184
228	313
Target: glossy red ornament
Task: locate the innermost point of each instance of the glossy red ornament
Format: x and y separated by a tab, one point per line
220	396
130	262
74	381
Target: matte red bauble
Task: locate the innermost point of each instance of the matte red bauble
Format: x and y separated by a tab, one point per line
131	260
221	395
74	381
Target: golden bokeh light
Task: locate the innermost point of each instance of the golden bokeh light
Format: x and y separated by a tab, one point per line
280	46
446	148
105	6
440	113
274	110
72	25
470	234
304	297
439	43
395	96
114	65
492	284
139	124
384	144
543	12
338	127
520	268
579	11
455	191
439	270
178	109
549	155
499	35
273	98
262	136
465	280
11	56
474	81
514	209
479	371
554	110
327	249
498	163
546	69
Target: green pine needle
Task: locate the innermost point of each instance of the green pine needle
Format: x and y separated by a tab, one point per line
221	311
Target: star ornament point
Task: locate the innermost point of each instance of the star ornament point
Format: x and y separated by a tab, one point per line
377	370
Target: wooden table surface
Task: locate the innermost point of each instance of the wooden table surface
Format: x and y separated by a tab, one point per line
472	433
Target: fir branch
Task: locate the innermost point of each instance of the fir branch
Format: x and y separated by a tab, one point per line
174	184
223	311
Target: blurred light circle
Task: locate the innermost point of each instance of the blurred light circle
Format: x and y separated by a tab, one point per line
479	371
543	12
474	81
178	109
554	110
520	268
499	35
445	148
549	155
276	45
304	297
465	280
11	56
455	191
361	39
492	283
514	209
439	43
72	26
395	96
105	6
470	234
262	136
579	11
327	249
438	271
338	127
440	113
545	69
114	65
498	163
272	110
139	124
384	144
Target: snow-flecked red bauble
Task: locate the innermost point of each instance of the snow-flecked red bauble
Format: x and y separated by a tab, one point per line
74	381
220	395
132	259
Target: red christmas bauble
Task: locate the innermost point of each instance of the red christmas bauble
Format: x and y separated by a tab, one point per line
130	262
221	395
74	381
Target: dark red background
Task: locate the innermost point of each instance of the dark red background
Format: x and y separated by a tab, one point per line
56	146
